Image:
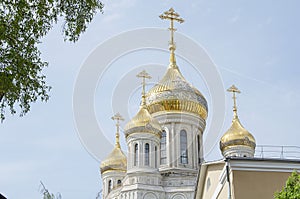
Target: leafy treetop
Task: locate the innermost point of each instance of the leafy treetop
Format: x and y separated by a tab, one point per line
291	189
23	23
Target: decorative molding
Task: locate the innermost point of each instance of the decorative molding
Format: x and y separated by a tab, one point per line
266	165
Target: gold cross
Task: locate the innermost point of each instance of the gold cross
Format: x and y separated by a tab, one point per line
172	16
233	89
143	75
118	117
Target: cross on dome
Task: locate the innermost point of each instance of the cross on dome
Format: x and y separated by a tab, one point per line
172	16
233	89
117	117
144	75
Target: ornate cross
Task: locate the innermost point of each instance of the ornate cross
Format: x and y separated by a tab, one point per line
143	75
117	117
234	90
172	16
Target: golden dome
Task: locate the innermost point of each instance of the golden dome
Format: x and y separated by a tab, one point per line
143	121
174	93
116	160
237	135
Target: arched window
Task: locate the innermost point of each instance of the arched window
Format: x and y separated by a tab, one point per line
147	154
199	149
163	151
136	156
119	182
183	147
109	186
155	156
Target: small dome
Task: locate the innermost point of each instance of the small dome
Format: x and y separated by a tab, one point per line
174	93
142	122
237	141
116	161
237	136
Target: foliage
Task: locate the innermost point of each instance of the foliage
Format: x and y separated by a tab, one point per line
291	189
23	23
46	194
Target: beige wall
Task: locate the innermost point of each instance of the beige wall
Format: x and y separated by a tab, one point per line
212	180
257	184
249	179
224	192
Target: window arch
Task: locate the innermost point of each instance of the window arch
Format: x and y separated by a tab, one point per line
150	196
183	147
163	151
136	150
147	154
119	182
109	186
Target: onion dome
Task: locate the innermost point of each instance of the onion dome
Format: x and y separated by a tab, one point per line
237	141
143	121
237	136
173	92
116	160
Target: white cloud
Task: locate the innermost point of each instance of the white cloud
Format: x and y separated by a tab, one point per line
114	11
112	17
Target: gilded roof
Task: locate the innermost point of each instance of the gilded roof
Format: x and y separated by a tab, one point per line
237	135
116	161
174	93
143	120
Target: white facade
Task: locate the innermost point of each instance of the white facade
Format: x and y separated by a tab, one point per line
162	164
164	139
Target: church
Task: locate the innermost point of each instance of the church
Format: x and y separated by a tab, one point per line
165	147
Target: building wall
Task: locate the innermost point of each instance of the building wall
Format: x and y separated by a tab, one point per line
249	178
257	184
224	192
212	180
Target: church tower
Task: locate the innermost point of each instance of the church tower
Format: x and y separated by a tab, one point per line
237	141
113	168
143	134
181	110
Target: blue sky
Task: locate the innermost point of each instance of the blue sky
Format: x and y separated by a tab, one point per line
254	44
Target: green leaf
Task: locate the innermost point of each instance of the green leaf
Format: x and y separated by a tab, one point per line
291	189
23	24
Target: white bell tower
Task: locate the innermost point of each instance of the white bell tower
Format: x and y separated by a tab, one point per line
143	135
